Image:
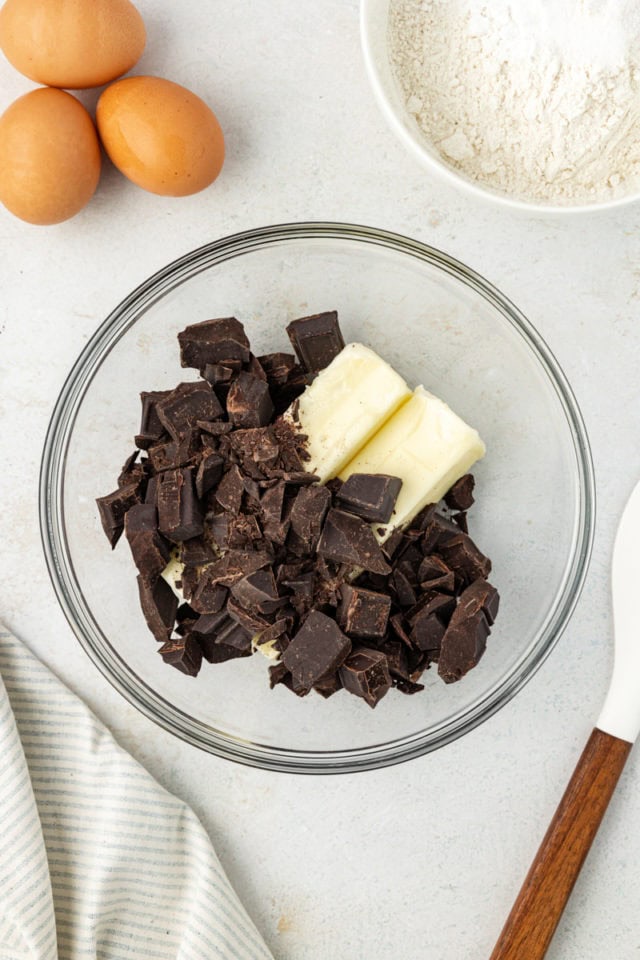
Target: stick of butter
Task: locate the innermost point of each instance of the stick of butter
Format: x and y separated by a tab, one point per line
425	444
344	406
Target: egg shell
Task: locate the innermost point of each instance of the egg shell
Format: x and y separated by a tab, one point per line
72	43
160	135
49	157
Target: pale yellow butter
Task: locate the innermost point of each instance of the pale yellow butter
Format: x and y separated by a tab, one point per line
425	444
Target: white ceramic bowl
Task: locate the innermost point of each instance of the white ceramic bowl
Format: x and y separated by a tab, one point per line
374	21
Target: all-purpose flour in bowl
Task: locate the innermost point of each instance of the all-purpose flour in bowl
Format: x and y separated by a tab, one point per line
537	99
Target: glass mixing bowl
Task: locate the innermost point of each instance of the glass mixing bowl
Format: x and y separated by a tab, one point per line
439	324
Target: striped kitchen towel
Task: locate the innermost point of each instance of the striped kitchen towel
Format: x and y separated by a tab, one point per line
97	860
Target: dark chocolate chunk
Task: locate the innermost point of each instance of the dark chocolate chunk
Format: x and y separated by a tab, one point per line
258	592
277	367
196	552
460	496
236	564
230	490
218	375
392	544
221	638
254	623
183	654
243	531
255	368
463	557
149	550
209	473
249	402
403	592
328	685
133	472
216	428
365	673
465	638
316	339
427	631
208	596
179	513
307	516
434	574
460	519
371	496
363	613
481	595
432	602
277	674
408	686
151	495
317	649
187	403
112	510
213	341
159	606
348	539
397	658
399	627
151	428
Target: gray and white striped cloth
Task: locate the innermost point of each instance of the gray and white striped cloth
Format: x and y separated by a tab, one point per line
97	860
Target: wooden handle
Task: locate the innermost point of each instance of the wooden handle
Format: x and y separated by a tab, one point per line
539	905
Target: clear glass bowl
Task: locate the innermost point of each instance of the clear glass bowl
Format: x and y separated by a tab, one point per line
438	323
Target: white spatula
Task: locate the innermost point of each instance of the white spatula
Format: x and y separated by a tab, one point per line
546	889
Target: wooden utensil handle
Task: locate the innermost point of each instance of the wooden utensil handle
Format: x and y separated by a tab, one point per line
545	891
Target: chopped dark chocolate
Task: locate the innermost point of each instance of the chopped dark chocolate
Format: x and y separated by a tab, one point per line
365	673
249	402
434	574
209	596
348	539
188	403
183	654
149	550
427	632
230	490
465	638
371	496
277	367
316	339
151	428
159	606
328	685
363	613
196	552
258	592
209	473
112	510
213	341
317	649
463	557
481	595
179	513
460	496
273	560
402	590
307	516
218	375
221	638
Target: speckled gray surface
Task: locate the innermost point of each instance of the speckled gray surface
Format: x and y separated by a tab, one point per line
421	860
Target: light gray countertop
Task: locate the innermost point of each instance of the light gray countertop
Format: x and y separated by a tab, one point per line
420	860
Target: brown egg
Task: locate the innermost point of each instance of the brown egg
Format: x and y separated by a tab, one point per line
71	43
160	135
49	157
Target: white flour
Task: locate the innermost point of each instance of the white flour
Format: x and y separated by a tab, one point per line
536	98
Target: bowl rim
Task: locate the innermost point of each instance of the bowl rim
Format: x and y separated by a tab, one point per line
78	614
369	16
